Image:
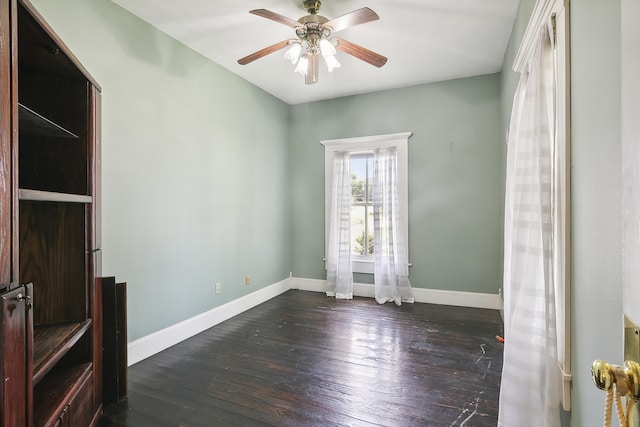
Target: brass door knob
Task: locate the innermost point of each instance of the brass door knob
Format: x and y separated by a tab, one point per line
601	374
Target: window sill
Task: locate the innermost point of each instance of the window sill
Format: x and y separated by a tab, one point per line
362	266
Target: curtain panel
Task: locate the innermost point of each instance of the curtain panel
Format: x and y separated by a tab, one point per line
391	271
339	267
531	378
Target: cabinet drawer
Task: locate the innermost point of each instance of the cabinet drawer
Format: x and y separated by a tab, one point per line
74	407
80	410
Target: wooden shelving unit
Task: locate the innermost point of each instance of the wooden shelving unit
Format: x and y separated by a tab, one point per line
53	371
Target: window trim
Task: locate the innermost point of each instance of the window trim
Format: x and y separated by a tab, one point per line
365	143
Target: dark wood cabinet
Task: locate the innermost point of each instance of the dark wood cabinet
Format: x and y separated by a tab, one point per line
51	331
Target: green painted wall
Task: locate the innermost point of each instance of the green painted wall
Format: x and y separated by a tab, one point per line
455	176
596	192
630	154
195	167
597	217
509	78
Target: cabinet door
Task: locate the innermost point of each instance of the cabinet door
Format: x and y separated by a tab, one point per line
5	146
8	134
13	356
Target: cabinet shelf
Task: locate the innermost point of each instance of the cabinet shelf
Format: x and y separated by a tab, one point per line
50	196
52	342
34	124
55	389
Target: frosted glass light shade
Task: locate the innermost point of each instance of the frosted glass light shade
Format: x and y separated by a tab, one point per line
327	48
303	63
332	62
293	53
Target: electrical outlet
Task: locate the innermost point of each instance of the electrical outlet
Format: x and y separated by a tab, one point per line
218	287
247	280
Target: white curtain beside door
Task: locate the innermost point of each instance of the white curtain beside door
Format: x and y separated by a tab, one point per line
531	379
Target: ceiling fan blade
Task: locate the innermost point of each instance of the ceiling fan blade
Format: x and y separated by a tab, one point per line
313	67
263	52
361	53
275	17
357	17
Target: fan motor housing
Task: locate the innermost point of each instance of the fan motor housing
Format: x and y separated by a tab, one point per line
312	6
312	26
313	19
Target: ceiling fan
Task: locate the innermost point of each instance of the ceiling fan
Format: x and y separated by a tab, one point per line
314	39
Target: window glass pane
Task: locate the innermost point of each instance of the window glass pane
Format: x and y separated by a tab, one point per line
358	178
361	204
357	230
370	181
370	229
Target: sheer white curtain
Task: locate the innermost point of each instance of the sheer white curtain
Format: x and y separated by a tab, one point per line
531	379
391	272
339	269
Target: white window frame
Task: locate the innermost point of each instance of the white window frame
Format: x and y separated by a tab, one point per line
364	264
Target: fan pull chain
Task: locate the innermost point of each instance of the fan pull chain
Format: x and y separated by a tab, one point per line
619	408
622	419
608	403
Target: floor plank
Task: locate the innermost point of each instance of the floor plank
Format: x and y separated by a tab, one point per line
302	359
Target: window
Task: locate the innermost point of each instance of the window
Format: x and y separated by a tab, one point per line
361	166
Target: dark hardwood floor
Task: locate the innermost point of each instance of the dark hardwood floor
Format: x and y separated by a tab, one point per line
303	359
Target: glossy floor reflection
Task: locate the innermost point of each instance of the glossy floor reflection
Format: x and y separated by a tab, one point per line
303	359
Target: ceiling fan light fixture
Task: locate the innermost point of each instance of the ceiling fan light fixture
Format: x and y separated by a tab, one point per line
314	34
303	63
293	53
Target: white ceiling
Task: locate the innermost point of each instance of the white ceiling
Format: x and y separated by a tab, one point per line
425	40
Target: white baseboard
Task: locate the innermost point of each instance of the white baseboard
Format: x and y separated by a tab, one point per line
154	343
429	296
